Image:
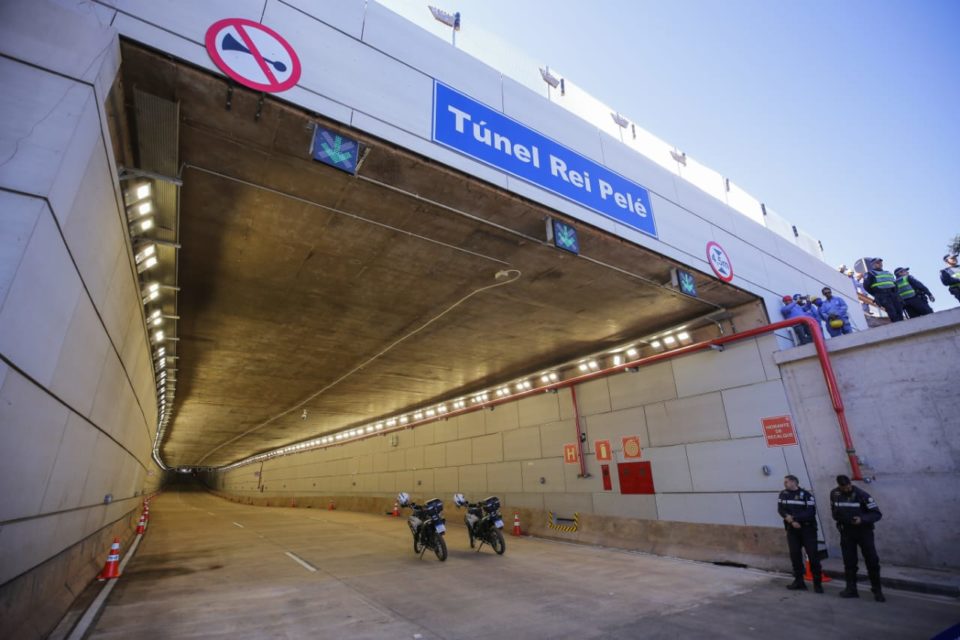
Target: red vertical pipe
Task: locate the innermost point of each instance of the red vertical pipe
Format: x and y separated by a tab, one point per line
576	418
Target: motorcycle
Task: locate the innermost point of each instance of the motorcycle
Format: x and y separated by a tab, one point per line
427	525
483	521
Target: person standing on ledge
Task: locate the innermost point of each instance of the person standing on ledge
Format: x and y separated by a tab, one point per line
883	287
799	512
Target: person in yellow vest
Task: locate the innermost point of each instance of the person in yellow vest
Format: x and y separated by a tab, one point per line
950	275
913	293
882	285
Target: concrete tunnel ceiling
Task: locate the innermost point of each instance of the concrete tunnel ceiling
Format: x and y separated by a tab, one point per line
280	297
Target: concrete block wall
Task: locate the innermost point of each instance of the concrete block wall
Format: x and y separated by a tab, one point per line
77	401
698	418
900	394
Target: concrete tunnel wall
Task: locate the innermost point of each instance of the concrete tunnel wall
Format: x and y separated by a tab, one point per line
699	422
77	400
899	387
355	53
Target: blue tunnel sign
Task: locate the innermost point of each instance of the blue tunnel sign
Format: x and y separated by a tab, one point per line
484	134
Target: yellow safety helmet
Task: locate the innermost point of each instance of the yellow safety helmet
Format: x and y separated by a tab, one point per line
836	323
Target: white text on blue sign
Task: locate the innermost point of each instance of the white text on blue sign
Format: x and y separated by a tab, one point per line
478	131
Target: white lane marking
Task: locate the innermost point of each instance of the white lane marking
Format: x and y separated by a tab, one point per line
212	514
238	525
301	561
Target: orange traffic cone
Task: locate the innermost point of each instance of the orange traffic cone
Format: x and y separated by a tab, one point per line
809	574
396	509
516	524
141	526
332	506
112	568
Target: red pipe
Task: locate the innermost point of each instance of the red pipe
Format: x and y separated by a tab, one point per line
818	341
580	438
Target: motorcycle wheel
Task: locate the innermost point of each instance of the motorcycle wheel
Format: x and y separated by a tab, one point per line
417	544
441	548
497	542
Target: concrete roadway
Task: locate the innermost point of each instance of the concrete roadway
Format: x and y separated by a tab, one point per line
209	568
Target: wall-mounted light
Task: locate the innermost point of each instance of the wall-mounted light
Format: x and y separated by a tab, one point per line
669	340
141	226
656	344
150	293
632	352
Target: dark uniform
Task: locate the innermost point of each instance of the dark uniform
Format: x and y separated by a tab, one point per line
883	287
950	277
801	506
845	507
914	295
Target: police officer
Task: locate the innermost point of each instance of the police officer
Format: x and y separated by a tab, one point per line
799	512
950	275
883	287
855	512
913	293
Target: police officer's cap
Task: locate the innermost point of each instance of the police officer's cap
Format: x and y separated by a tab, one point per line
900	270
843	480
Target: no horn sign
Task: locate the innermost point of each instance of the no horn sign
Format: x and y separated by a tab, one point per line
253	55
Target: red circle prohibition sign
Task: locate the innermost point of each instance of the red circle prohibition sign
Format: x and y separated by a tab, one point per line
280	74
719	261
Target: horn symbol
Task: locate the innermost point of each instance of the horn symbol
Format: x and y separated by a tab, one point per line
231	44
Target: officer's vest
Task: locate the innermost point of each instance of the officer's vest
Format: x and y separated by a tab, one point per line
883	280
904	288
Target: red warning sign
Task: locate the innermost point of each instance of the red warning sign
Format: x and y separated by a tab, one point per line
603	450
254	55
631	447
570	453
779	431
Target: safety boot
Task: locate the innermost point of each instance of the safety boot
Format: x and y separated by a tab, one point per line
875	586
851	589
817	584
797	584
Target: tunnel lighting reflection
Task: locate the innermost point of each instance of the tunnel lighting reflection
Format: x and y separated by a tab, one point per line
151	292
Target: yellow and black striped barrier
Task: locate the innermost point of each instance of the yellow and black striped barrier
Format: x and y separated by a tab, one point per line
554	523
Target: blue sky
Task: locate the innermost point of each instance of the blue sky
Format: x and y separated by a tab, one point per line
844	117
